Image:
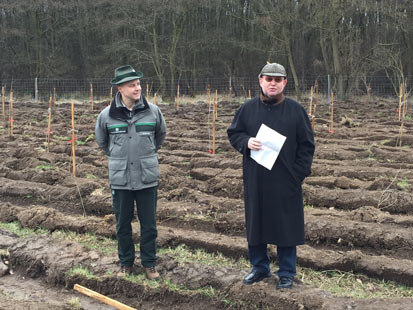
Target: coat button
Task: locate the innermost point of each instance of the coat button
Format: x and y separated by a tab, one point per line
131	163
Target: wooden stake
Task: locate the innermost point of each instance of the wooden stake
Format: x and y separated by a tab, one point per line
3	104
214	113
54	96
154	99
403	117
315	105
178	98
216	103
209	114
11	114
230	90
311	101
147	90
49	123
110	95
73	140
332	113
404	100
249	93
399	110
102	298
91	96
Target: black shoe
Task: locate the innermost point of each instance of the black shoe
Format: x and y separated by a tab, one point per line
255	276
285	282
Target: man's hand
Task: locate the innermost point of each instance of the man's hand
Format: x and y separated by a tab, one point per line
254	144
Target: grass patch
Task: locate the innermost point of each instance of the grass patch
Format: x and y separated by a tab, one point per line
182	254
403	184
81	271
141	279
15	228
74	304
90	137
104	245
347	284
45	167
61	138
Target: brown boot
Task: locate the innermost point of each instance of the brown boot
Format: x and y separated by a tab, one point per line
124	271
151	273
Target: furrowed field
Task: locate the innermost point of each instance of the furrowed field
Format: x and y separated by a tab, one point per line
58	230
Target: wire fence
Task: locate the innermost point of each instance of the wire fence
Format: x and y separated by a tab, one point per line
237	86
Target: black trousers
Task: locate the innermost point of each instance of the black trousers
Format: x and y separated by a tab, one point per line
123	207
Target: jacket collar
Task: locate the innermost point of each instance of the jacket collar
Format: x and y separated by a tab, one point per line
271	101
118	111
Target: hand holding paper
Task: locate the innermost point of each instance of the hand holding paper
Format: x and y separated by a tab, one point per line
272	142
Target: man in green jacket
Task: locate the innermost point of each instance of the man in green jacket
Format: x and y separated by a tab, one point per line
130	131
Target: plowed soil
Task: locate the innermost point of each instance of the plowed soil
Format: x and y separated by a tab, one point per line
359	208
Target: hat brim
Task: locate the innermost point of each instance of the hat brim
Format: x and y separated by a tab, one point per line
130	77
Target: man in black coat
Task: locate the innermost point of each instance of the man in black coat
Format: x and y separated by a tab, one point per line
274	212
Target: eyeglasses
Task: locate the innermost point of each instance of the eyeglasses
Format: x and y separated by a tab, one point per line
277	79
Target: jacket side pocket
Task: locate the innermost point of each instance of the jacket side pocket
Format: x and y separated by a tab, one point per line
150	169
117	171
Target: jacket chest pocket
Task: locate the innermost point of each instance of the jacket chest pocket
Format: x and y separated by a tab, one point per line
118	139
146	137
146	141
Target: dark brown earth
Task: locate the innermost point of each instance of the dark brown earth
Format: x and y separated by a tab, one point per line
359	208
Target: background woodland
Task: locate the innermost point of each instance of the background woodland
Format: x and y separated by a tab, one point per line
192	42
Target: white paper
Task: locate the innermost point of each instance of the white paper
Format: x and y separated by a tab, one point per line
272	142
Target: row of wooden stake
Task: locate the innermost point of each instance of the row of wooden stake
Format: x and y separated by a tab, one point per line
314	97
49	122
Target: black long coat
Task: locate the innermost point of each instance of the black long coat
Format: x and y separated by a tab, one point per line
274	212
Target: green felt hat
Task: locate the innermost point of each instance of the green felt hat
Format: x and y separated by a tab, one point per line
125	74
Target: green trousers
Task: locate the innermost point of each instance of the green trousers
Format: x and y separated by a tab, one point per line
123	207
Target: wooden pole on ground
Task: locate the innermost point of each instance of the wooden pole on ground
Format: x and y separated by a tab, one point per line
102	298
91	96
73	141
3	104
147	90
11	114
249	93
178	98
49	122
332	113
154	99
110	95
54	95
